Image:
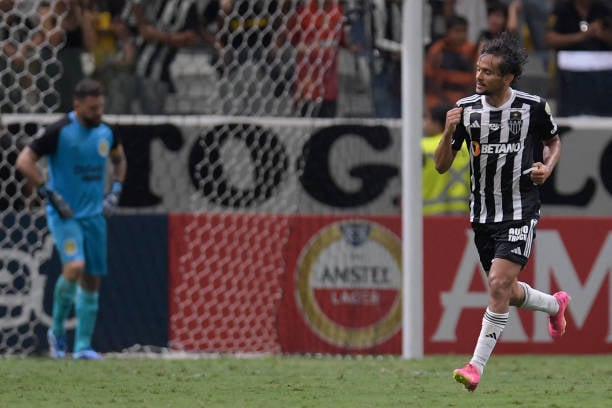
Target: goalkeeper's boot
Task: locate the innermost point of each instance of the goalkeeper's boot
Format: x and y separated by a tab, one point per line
57	344
557	323
469	376
87	354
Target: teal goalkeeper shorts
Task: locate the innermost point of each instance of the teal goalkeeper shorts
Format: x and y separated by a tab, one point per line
82	239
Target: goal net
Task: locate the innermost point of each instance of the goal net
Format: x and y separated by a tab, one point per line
282	229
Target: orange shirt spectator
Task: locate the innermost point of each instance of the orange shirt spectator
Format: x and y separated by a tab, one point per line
449	65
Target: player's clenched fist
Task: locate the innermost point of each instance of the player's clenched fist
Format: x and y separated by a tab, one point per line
453	117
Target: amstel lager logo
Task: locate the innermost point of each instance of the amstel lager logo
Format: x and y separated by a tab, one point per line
348	284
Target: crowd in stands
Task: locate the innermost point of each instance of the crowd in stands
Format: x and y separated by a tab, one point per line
286	58
290	51
576	33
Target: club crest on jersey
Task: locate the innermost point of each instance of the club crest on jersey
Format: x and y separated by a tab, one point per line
70	247
103	148
515	123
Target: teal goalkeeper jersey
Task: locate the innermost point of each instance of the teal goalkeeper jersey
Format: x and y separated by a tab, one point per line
77	158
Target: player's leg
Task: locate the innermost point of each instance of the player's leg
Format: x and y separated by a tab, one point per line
526	297
497	247
501	278
512	243
69	243
87	302
555	305
469	375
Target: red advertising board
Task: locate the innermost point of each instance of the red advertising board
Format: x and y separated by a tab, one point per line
342	292
573	254
225	279
334	285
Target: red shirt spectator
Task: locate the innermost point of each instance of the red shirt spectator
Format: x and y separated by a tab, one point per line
317	33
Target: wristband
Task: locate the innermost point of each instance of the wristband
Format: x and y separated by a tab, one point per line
116	187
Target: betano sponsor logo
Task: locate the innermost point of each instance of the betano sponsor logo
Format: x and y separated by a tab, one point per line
495	148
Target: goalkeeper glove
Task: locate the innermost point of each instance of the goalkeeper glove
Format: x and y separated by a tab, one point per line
111	199
56	201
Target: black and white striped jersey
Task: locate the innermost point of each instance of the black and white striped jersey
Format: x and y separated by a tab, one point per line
503	142
169	16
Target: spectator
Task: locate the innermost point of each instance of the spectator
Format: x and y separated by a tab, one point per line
581	33
210	24
246	48
449	65
474	11
386	64
117	70
71	23
500	18
447	193
533	13
317	34
164	27
247	32
20	42
440	11
115	7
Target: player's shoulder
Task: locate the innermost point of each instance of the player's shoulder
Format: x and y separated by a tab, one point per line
60	123
55	127
109	131
530	99
105	126
46	139
469	101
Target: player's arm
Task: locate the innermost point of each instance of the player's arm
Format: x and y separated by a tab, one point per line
544	124
445	154
552	153
118	172
26	164
185	37
118	164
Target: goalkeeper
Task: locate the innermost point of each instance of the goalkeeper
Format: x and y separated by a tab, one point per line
77	148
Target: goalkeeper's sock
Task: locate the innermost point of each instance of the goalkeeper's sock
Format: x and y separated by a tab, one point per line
492	326
540	301
63	297
86	313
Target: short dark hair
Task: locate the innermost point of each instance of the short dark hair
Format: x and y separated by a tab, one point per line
87	87
497	7
512	52
454	21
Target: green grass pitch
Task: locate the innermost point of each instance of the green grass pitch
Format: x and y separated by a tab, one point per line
287	382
